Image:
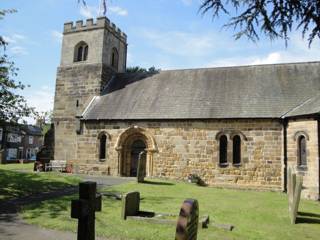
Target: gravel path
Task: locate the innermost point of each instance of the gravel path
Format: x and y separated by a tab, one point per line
12	227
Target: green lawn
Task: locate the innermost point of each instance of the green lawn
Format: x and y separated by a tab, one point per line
17	167
14	183
256	215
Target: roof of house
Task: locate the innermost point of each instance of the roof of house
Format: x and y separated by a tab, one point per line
264	91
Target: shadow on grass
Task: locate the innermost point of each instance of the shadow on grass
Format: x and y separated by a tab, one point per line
158	183
309	218
16	184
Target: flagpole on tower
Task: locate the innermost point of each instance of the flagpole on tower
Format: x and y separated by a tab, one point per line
102	8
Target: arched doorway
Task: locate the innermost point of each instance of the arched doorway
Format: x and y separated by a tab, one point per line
137	147
130	144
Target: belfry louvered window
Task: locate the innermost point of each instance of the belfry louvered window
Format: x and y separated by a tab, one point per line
81	52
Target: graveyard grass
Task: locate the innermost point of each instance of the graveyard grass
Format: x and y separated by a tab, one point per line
255	215
17	180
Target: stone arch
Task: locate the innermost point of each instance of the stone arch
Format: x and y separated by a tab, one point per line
124	147
298	134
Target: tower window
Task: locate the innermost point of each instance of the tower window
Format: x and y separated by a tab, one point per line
81	52
302	152
236	150
115	58
223	153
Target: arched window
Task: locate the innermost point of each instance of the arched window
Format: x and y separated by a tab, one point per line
223	153
81	52
102	147
115	58
302	151
236	150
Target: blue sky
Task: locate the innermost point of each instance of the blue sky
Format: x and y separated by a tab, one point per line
167	34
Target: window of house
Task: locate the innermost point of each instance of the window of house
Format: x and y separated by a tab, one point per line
103	146
30	140
302	151
81	52
236	150
223	153
115	58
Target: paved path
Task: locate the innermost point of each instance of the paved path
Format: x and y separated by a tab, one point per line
12	227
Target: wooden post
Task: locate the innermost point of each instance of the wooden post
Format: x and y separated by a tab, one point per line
84	210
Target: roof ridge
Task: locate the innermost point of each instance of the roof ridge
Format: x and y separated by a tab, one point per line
243	66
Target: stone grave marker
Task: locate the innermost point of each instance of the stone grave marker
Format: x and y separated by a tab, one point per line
187	226
130	204
141	172
84	210
295	198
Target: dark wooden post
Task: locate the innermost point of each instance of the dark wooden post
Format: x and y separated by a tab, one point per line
84	210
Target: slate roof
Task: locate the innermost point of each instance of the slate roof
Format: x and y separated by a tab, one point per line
264	91
310	106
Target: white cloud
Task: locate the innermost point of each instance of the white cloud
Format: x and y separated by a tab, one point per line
298	51
118	10
187	2
18	50
182	43
89	11
57	36
41	99
14	38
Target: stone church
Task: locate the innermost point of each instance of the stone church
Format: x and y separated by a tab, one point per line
236	127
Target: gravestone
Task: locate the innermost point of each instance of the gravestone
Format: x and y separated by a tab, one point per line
187	226
130	204
84	210
141	173
296	195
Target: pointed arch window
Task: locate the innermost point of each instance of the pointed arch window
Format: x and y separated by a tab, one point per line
236	150
302	151
103	147
81	52
115	58
223	151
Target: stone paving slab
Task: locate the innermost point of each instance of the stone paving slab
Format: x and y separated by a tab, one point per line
13	228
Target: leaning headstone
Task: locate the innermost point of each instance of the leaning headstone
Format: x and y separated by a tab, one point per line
130	204
141	173
296	199
187	226
84	210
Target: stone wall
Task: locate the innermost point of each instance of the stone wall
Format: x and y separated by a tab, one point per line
308	128
191	147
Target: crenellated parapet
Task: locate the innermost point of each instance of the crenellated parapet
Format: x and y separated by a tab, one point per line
90	24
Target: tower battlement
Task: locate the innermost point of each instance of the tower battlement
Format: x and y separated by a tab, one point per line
102	22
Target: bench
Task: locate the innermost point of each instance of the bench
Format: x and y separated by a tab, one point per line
56	165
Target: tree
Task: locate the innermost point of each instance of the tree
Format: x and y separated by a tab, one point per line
274	18
13	106
138	69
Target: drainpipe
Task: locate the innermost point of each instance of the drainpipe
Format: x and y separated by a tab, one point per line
285	153
318	120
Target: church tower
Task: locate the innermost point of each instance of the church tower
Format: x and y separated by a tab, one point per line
92	53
